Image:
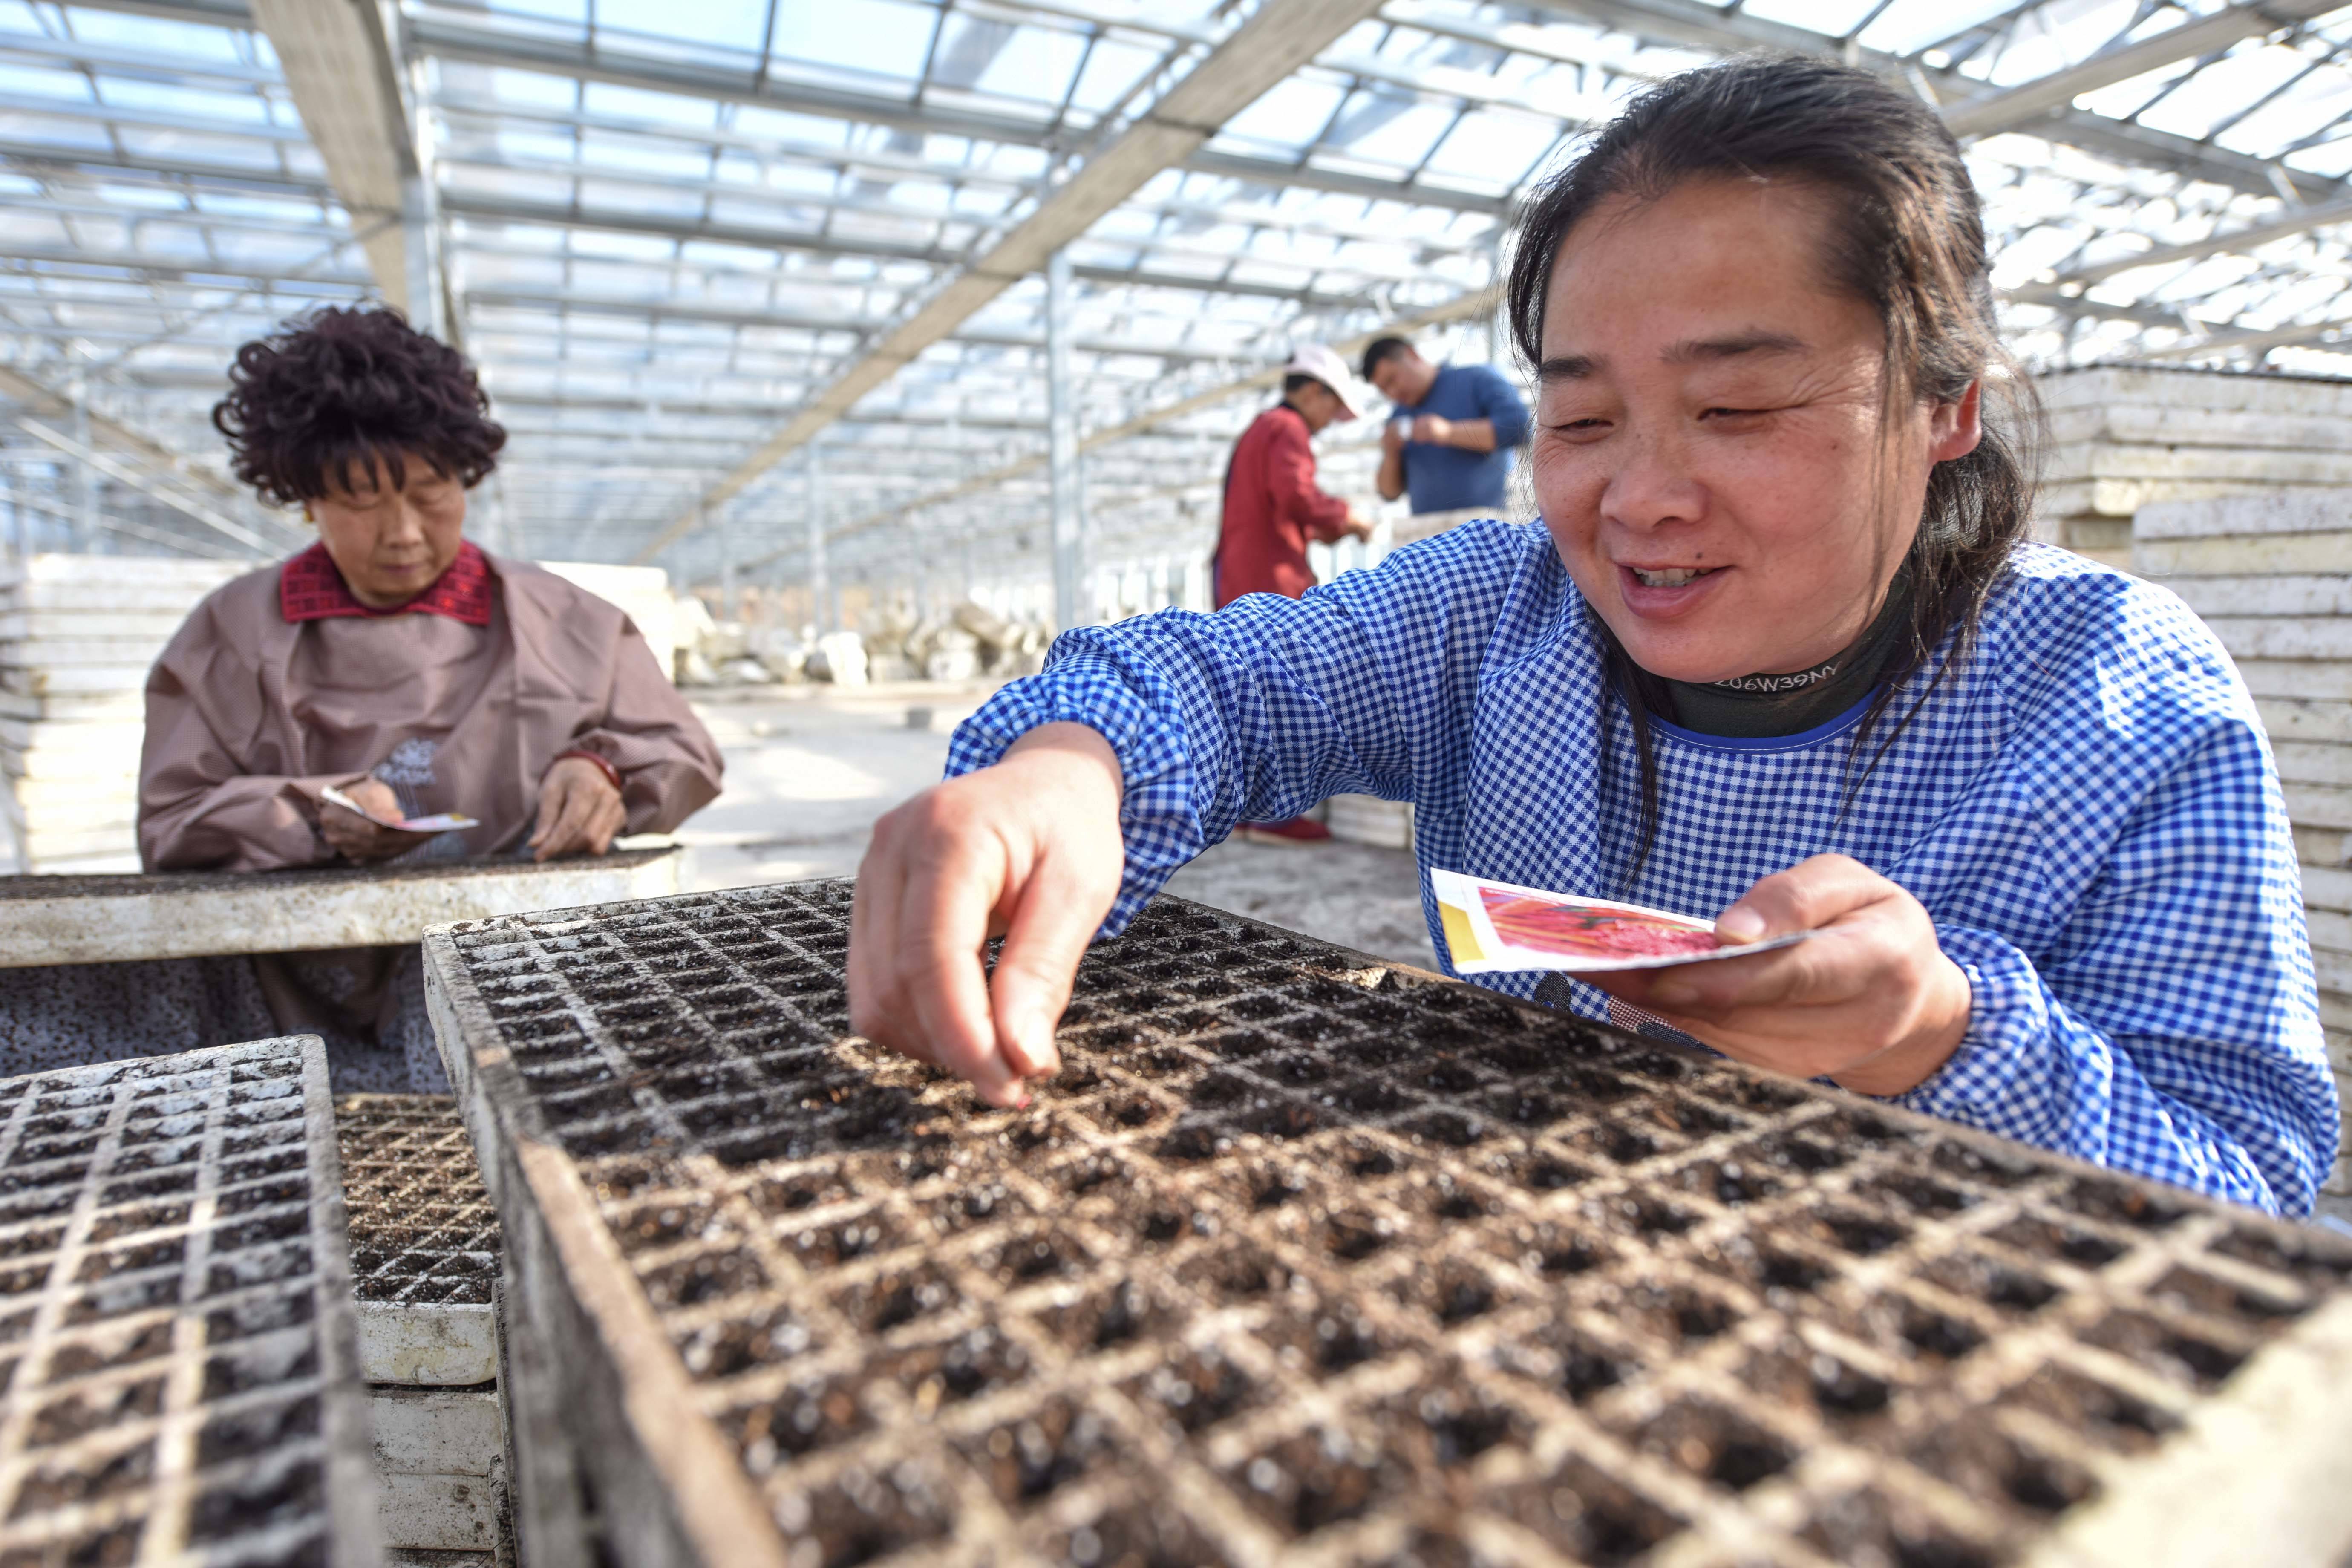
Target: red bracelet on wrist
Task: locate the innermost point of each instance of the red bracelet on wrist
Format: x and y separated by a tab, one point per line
604	765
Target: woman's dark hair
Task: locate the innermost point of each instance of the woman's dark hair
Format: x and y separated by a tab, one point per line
311	405
1906	236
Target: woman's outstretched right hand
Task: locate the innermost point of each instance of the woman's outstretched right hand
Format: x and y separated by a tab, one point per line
1029	851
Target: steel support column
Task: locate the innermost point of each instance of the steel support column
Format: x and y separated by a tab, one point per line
726	567
820	587
85	474
420	232
1068	505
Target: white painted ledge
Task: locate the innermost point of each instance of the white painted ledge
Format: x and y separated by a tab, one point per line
113	918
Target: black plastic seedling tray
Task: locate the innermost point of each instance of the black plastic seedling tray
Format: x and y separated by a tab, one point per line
178	1381
1308	1259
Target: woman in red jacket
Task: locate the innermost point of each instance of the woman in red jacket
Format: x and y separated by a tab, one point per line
1273	507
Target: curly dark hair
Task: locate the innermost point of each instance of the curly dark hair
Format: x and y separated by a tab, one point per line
311	405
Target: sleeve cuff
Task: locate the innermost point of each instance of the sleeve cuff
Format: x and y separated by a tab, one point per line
1082	685
1994	1080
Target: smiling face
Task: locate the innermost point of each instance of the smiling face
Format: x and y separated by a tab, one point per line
1712	454
392	544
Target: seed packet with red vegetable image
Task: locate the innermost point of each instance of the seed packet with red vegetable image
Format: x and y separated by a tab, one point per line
1495	927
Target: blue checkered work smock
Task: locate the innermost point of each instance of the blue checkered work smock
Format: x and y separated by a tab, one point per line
2087	809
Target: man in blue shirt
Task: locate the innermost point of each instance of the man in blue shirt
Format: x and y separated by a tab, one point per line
1449	438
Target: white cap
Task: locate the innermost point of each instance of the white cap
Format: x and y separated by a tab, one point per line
1315	360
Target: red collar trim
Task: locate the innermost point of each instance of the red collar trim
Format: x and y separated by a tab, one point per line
310	588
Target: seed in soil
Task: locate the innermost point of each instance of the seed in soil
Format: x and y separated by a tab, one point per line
1677	1315
1982	1165
1025	1462
1135	1535
2051	1238
1230	1275
2168	1352
2193	1289
1930	1333
1196	1389
2320	1262
1871	1527
1717	1442
1552	1251
980	1360
896	1297
1863	1235
95	1354
1975	1455
1850	1400
1317	1478
1442	1427
691	1281
79	1414
1588	1516
1325	1346
1452	1293
2106	1416
2013	1292
1730	1182
2120	1202
864	1516
1613	1142
256	1430
1109	1319
1031	1256
92	1481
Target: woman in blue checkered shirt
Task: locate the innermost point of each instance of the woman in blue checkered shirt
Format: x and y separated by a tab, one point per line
1776	651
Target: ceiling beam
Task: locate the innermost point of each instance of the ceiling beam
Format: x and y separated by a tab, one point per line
1276	172
43	397
1693	23
152	64
129	529
655	310
454	38
211	277
217	13
2309	334
344	75
1688	22
1462	307
707	409
1734	31
557	215
2144	147
41	159
448	39
2018	107
14	208
150	119
1279	38
796	204
147	485
2234	241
